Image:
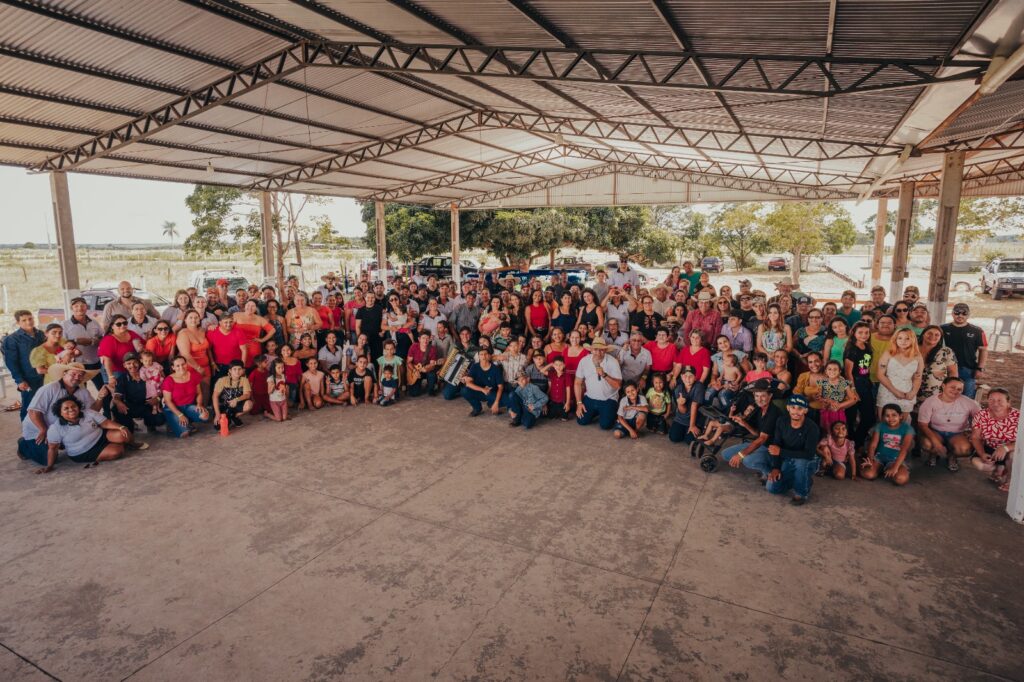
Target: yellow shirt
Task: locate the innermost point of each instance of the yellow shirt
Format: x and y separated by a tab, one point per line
878	347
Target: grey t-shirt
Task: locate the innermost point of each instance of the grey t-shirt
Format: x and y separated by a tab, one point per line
44	400
77	438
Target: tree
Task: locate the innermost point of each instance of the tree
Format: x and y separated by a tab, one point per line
515	236
982	218
628	230
739	230
170	230
411	231
212	209
800	229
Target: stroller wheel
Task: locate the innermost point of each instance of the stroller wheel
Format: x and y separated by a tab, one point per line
696	448
708	463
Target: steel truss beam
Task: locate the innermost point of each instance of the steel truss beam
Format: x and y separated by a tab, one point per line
791	75
652	161
812	149
790	191
221	91
1007	140
979	175
452	126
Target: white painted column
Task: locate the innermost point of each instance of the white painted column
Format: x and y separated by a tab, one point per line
267	234
1015	500
382	243
67	256
879	253
945	235
456	251
901	250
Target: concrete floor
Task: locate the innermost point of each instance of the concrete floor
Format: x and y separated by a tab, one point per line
413	543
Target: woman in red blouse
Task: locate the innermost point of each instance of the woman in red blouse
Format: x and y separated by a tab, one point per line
994	437
118	342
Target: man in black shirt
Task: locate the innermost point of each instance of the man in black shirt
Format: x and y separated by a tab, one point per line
970	346
758	420
793	450
369	320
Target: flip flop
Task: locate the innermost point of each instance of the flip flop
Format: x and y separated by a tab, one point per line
13	407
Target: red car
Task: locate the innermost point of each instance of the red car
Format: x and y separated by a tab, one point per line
778	263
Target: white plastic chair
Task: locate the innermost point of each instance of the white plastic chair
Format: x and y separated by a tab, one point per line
1005	325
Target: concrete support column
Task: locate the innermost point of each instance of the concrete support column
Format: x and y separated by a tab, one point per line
66	253
1015	501
456	264
267	234
876	256
382	243
901	250
945	235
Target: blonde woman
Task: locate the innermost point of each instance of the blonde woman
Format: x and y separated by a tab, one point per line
899	373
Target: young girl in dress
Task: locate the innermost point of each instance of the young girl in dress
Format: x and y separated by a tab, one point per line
152	373
837	394
837	453
292	373
312	386
277	388
273	351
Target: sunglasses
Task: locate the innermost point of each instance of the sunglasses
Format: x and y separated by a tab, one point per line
959	312
902	310
163	329
120	324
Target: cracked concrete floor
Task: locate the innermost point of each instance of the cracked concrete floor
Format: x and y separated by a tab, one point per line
413	543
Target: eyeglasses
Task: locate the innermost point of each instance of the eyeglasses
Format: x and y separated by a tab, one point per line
162	329
120	324
960	313
901	310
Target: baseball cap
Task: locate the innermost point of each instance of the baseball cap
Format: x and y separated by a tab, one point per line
961	309
798	400
687	369
130	355
803	299
744	282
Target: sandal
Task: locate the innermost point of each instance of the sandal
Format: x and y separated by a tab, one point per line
952	464
13	407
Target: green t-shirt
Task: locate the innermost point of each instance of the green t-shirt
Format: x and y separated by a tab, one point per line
693	278
890	440
658	401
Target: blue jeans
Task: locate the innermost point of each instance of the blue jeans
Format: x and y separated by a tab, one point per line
680	433
515	404
476	399
29	449
430	378
967	376
759	460
602	410
26	398
451	391
174	427
797	475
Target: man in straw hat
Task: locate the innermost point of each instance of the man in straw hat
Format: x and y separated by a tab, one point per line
67	379
598	378
330	285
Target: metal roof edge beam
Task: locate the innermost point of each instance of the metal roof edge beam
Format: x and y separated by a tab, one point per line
267	70
433	131
783	190
644	68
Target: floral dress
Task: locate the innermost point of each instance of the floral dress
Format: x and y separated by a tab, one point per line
934	372
837	393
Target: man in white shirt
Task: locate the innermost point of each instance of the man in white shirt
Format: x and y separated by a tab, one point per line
624	275
634	360
598	378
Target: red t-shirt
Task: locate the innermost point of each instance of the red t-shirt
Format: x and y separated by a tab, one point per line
424	358
226	347
162	351
539	315
699	360
111	348
557	385
661	358
258	382
185	393
350	313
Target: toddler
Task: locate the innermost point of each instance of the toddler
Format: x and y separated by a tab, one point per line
659	404
388	386
632	414
152	373
277	387
70	352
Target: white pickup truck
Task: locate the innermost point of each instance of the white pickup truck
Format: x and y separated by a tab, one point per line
1003	276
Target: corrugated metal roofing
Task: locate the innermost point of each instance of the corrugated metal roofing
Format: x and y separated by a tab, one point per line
71	68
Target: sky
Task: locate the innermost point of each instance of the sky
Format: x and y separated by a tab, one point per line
127	211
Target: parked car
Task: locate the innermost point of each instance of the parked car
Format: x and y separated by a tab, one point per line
712	264
96	299
572	263
204	279
779	263
1003	276
441	267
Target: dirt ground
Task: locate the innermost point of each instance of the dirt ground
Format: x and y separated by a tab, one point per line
415	543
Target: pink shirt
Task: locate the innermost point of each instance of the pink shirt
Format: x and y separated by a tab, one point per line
952	417
183	393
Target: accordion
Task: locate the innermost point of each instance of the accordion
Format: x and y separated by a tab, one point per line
455	367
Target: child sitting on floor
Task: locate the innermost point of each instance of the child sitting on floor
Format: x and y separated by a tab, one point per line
837	453
632	414
659	404
337	388
388	386
312	385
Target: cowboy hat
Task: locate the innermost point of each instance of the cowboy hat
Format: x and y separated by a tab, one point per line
597	344
56	371
329	276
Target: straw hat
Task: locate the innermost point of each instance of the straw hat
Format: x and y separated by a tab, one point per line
56	371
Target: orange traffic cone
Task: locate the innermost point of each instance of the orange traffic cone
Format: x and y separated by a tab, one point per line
224	425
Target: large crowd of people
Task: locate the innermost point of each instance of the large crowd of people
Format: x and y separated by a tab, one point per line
778	384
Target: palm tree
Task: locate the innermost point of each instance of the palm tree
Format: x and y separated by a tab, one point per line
170	230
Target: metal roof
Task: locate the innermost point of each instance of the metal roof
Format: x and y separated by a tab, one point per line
516	102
